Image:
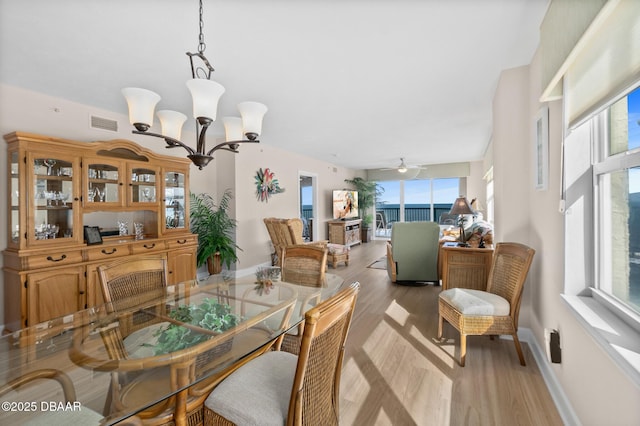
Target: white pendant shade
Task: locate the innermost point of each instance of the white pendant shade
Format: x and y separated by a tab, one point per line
142	103
252	114
205	94
171	122
233	128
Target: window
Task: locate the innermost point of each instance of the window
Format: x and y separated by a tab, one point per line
417	199
617	202
602	229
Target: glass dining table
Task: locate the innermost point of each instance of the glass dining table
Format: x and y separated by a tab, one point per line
152	360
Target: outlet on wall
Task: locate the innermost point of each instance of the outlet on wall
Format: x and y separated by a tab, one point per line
552	345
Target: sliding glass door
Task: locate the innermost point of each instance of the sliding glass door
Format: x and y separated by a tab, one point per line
414	200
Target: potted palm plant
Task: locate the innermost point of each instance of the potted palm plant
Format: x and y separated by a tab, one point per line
214	227
368	191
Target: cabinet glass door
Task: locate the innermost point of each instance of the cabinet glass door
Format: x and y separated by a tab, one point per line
143	185
14	184
54	196
103	184
174	200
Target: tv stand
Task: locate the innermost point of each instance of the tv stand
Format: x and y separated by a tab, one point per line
345	231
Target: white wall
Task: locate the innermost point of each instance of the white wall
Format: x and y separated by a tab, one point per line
596	388
252	236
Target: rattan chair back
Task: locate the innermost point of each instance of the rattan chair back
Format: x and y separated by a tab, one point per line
68	389
131	284
316	385
305	265
511	263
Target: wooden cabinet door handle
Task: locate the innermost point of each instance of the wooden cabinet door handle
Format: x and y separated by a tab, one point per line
51	259
181	241
113	250
149	247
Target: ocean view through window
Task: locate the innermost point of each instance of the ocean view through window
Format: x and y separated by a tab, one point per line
417	200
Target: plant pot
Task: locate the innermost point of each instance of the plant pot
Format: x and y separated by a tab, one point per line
366	234
214	264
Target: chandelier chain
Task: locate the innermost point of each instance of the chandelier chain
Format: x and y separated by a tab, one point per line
201	45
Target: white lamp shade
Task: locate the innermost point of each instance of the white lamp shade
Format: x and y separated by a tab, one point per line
252	113
142	103
205	95
233	128
171	122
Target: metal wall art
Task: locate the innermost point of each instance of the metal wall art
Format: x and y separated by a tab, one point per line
266	185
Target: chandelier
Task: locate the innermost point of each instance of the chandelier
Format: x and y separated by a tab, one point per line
205	94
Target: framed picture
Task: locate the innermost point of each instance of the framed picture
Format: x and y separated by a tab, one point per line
92	235
541	146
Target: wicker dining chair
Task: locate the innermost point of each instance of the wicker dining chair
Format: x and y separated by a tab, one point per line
281	388
128	286
303	265
86	416
131	284
494	311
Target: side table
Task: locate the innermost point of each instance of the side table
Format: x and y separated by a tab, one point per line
465	267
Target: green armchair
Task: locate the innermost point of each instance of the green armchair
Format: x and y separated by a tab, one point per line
412	253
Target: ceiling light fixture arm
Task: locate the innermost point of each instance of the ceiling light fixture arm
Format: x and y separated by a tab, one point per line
231	145
171	143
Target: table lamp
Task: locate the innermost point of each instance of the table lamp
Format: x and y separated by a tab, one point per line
461	207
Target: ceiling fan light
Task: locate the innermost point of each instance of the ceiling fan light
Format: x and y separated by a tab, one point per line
171	122
402	169
233	128
142	103
252	114
205	95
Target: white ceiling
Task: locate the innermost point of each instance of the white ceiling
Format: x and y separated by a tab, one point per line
358	83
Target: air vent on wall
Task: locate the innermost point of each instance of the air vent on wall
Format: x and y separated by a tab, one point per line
103	124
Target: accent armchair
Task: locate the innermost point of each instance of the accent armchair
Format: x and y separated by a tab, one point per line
285	233
412	253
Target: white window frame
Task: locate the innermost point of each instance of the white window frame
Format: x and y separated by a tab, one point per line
613	324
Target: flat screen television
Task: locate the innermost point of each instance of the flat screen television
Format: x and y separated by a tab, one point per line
345	204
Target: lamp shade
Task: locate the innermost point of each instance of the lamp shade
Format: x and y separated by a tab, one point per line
461	206
252	114
205	95
171	122
233	128
142	103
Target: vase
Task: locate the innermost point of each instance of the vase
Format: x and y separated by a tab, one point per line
139	231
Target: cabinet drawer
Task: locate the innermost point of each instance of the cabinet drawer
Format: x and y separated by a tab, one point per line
55	258
150	246
107	252
178	242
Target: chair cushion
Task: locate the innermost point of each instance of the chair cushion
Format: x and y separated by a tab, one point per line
337	248
475	302
257	393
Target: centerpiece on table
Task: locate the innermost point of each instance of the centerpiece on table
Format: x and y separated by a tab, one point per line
265	277
210	315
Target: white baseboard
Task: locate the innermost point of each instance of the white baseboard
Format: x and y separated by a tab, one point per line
563	405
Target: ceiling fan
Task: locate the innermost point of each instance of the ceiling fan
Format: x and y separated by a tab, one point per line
403	168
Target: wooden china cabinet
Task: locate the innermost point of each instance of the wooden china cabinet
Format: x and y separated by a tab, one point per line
58	187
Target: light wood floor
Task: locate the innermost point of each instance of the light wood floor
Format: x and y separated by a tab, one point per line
397	373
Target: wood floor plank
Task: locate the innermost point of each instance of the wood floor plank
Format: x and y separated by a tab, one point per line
397	373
